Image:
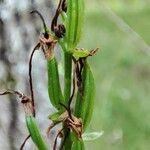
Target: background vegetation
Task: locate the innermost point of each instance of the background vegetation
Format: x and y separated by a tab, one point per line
122	72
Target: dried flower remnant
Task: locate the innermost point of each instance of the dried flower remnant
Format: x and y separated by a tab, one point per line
73	123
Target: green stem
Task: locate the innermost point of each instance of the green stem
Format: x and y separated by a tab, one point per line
67	71
78	145
67	76
66	142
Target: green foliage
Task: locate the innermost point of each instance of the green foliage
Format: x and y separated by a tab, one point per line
122	77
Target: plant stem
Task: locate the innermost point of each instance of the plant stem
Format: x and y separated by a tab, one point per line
66	142
67	76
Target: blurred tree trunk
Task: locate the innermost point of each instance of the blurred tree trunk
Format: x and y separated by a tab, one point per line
19	33
10	81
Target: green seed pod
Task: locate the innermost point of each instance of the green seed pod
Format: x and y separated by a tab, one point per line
79	21
35	133
74	22
71	22
54	88
85	101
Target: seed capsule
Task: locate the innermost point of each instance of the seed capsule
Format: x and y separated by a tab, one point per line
74	22
54	89
35	133
85	101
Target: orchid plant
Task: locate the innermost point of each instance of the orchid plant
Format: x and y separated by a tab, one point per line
79	86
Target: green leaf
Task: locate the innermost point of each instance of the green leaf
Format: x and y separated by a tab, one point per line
91	136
